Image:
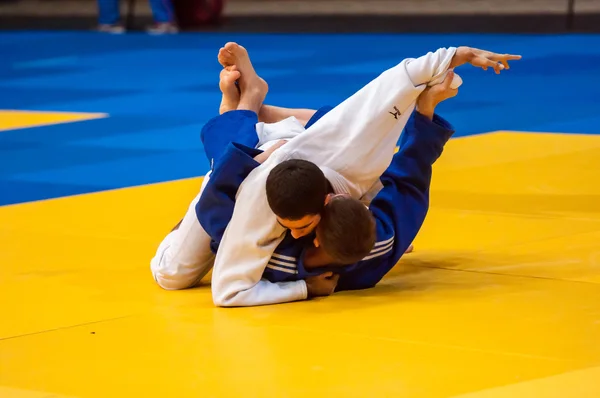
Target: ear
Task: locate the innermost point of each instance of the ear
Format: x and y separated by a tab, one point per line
316	242
328	198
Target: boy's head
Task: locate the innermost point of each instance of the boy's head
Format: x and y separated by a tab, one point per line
296	192
346	231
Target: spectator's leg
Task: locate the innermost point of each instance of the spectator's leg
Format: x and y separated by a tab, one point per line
109	16
164	17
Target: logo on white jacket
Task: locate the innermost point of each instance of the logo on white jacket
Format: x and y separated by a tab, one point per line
395	114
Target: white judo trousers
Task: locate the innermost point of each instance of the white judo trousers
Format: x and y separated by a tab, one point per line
356	140
184	257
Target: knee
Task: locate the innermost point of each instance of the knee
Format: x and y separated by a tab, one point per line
172	283
169	275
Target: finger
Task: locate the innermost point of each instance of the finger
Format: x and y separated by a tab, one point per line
502	59
498	67
509	57
448	79
498	57
492	64
484	63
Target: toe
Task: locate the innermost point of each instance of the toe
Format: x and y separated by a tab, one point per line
232	46
225	57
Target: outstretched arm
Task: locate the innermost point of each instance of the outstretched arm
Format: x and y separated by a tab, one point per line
401	206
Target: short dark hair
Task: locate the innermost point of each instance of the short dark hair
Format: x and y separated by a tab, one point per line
347	230
296	188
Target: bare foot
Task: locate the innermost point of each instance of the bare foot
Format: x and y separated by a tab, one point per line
231	94
253	89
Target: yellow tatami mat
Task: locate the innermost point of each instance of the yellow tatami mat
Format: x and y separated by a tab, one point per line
17	119
501	297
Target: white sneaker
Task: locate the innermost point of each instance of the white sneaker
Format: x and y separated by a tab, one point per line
162	28
111	28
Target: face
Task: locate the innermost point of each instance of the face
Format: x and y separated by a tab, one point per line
301	227
307	224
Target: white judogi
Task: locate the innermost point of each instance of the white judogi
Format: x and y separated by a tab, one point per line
356	139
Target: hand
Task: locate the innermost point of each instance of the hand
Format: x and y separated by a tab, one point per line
261	158
432	96
485	59
482	59
321	285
